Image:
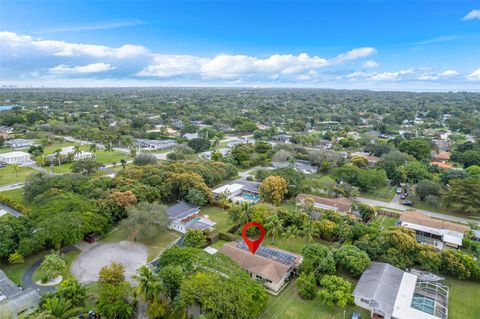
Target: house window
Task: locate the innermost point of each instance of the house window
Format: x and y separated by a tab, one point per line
365	301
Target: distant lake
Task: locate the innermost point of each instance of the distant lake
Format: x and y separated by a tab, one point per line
6	107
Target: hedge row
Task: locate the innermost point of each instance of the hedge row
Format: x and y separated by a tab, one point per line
13	204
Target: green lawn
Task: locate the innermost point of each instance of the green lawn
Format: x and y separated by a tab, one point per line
289	305
15	272
218	244
155	247
6	150
68	257
464	297
384	194
15	195
8	176
110	157
50	149
219	216
385	221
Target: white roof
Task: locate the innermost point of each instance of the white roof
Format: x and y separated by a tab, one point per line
14	154
228	189
449	236
210	250
403	303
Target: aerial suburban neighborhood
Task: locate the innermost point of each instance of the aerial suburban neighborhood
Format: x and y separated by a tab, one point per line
239	159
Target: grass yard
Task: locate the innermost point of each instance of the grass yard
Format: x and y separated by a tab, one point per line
464	297
104	157
15	195
288	305
155	247
218	244
295	245
219	216
384	194
15	272
68	257
8	175
50	149
61	169
6	150
385	221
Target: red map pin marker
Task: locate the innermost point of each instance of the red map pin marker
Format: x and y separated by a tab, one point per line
253	244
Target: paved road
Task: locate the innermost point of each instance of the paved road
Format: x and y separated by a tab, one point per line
10	210
398	206
10	187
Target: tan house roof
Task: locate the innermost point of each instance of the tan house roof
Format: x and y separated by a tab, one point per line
420	219
342	204
254	263
441	156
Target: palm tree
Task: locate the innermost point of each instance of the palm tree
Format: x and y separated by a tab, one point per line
59	308
16	168
291	233
222	200
308	231
93	147
274	227
245	213
76	150
58	156
123	162
150	290
108	147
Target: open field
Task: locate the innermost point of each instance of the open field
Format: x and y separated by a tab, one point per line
155	247
385	221
288	305
8	176
384	194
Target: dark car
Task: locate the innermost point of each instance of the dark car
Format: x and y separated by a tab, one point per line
408	203
403	196
356	316
89	239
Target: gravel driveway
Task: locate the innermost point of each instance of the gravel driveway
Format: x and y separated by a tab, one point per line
87	265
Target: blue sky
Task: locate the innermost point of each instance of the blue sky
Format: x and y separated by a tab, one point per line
401	45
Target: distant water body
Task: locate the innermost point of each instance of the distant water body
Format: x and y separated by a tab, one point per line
6	107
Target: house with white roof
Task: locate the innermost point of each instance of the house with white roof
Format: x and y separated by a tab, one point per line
390	293
19	143
239	191
70	151
154	145
16	157
434	232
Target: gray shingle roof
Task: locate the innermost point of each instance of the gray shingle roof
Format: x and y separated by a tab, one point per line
248	185
380	282
197	225
181	210
7	287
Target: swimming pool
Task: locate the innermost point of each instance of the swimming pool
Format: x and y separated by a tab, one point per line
251	197
422	303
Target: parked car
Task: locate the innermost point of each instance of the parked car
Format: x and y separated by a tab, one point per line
89	239
399	190
408	203
403	196
356	315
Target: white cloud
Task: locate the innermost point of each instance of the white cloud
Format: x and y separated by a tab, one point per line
379	76
90	68
370	64
472	15
354	54
434	77
27	45
475	75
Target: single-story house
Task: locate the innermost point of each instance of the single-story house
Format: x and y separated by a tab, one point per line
13	300
282	138
185	216
340	205
390	293
208	154
66	151
16	157
154	145
441	156
239	191
241	141
19	143
272	266
434	232
301	166
6	130
442	165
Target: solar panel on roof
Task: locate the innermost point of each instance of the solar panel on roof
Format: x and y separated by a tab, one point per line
270	253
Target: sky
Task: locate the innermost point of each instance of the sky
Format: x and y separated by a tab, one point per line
380	45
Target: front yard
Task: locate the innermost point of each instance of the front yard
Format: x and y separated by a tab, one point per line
8	175
464	297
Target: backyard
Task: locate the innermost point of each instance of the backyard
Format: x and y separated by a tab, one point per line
464	299
289	305
219	216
